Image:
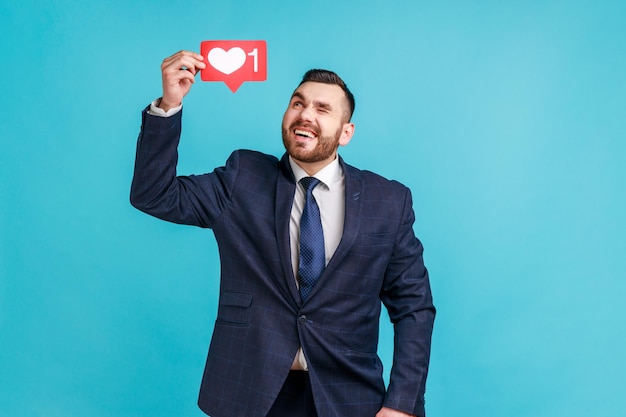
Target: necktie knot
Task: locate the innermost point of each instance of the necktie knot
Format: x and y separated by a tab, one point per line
309	183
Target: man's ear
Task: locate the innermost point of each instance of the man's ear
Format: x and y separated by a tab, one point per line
346	133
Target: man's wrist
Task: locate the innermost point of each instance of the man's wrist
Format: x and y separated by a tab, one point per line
156	109
166	106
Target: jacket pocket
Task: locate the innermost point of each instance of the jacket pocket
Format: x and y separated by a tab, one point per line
375	239
234	308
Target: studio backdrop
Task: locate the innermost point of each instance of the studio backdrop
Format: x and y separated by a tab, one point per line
506	119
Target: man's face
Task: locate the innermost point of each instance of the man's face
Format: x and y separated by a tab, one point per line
315	124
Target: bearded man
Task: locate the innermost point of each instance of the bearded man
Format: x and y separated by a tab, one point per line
310	249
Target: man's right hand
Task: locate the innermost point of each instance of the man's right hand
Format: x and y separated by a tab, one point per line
178	73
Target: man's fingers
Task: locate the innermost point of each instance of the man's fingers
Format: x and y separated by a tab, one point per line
180	54
190	61
178	78
178	74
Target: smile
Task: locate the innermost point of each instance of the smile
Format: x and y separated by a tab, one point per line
304	133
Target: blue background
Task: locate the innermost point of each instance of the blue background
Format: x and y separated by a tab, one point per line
506	119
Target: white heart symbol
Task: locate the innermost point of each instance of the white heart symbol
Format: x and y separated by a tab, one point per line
227	62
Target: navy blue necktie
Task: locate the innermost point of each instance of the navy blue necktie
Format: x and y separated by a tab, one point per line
312	259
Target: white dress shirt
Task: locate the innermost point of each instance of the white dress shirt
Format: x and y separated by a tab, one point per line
157	111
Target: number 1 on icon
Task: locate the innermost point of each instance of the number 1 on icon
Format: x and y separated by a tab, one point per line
255	54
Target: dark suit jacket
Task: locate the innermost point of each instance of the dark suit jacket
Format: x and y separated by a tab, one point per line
261	319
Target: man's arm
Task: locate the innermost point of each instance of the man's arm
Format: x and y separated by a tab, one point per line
156	189
407	296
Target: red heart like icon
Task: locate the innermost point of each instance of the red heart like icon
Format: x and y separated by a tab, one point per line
234	62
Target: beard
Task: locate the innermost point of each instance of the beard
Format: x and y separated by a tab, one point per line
325	147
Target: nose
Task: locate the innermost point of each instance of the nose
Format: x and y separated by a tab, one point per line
307	114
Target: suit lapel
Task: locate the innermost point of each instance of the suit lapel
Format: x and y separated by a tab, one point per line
285	190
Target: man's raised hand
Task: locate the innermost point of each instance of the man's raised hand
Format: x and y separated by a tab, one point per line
178	74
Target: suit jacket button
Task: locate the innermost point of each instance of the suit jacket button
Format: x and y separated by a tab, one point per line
302	319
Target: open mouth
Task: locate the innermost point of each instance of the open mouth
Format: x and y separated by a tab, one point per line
304	133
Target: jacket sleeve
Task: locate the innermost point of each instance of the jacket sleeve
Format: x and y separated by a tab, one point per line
407	296
156	189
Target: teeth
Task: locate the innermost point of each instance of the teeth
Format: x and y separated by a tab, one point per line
304	133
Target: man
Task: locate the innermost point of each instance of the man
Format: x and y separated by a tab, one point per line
309	247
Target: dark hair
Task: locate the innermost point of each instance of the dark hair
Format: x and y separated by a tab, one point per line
329	77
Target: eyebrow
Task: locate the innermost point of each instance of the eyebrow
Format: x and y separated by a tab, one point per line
320	104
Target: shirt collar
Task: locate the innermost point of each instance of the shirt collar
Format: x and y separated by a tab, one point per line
329	175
